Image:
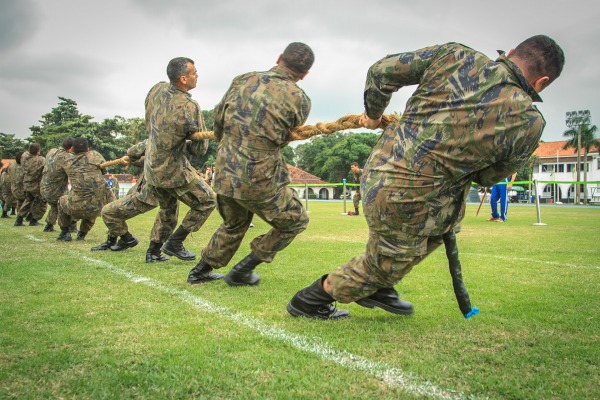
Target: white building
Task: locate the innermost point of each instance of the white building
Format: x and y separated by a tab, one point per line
553	164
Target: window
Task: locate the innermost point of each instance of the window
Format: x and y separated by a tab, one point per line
561	168
546	167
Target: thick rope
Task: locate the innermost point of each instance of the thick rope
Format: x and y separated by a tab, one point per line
298	133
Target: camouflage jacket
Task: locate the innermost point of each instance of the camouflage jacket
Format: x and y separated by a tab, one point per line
89	190
469	119
54	178
15	173
356	175
33	166
252	123
171	116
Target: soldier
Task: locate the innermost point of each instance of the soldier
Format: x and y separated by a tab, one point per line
252	123
8	201
89	191
55	182
171	116
356	173
33	165
470	119
15	177
140	200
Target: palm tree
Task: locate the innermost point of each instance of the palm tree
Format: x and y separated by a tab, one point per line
588	141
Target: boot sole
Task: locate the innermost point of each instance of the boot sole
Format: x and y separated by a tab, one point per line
133	244
173	254
215	277
369	303
297	313
231	282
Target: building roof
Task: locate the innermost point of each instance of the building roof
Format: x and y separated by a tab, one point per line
6	162
299	176
550	149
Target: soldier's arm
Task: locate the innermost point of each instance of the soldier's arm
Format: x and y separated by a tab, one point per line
391	73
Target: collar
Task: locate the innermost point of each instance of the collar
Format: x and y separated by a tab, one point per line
285	72
175	88
535	96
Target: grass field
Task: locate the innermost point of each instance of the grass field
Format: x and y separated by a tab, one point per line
93	325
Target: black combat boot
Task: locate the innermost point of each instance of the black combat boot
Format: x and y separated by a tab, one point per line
153	253
81	235
73	227
111	240
202	273
13	211
314	302
34	222
65	235
242	274
49	228
174	245
19	221
387	299
356	211
5	214
126	241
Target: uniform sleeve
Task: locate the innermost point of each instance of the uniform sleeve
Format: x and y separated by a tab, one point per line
391	73
137	151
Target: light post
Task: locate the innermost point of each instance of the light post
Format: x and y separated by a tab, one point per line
577	119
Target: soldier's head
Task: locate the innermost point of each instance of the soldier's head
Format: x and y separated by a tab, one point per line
18	157
80	145
298	57
34	148
540	59
67	143
182	73
354	166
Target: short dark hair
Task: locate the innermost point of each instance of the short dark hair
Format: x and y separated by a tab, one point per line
298	57
67	143
542	57
353	164
18	157
178	67
34	148
80	145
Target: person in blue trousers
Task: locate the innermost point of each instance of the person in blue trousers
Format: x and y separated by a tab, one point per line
499	193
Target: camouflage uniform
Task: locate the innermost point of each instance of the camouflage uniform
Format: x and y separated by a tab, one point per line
89	191
171	116
252	122
8	200
470	119
55	181
141	199
15	177
356	198
33	165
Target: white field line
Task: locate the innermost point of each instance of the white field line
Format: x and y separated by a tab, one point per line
531	260
388	374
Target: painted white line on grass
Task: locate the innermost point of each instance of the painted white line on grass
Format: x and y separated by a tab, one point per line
532	260
388	374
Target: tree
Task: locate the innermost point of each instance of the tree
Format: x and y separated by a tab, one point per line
10	146
588	142
289	155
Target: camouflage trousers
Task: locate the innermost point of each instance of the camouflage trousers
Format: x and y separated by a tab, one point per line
385	262
8	200
356	199
34	204
116	213
66	215
52	215
197	195
283	211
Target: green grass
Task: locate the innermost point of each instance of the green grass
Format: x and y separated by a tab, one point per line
89	325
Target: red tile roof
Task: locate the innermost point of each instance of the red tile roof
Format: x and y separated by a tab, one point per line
299	176
549	149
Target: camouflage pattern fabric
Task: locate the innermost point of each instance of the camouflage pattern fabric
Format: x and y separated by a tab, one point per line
470	119
356	198
252	122
16	173
55	181
171	116
89	191
8	200
33	166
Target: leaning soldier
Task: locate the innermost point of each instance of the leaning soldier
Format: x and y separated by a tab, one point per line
55	182
171	117
89	191
34	204
471	119
15	177
252	123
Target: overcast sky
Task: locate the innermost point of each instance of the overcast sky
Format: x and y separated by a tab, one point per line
107	54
